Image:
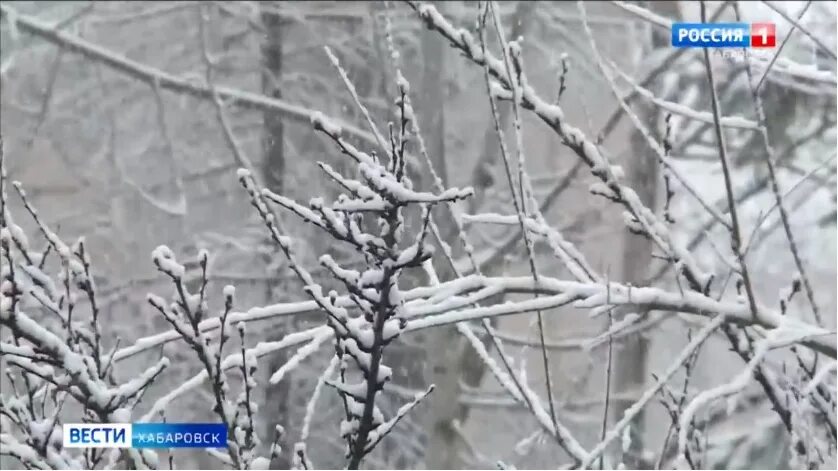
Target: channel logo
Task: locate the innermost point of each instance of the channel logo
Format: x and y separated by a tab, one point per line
145	435
97	435
724	35
179	436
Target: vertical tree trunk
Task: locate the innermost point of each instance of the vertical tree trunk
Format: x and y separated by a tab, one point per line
274	157
273	169
443	344
450	359
629	367
629	360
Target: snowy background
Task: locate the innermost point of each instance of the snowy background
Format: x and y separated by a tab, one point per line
126	122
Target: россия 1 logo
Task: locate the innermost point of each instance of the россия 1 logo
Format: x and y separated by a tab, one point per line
738	35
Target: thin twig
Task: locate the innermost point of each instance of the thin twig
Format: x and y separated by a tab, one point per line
803	30
776	54
520	391
775	187
735	230
644	132
665	65
607	389
166	81
520	208
682	358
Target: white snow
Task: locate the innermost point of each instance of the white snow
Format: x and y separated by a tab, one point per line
164	259
320	121
260	463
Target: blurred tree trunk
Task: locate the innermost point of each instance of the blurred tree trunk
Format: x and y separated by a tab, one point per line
484	172
443	344
450	359
630	359
274	156
273	169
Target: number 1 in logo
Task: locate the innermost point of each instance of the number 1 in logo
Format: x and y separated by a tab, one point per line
763	35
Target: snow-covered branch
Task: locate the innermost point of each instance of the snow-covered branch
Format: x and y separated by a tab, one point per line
55	363
638	215
401	257
163	79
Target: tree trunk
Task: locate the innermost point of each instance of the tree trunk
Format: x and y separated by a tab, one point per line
443	344
450	359
630	359
273	169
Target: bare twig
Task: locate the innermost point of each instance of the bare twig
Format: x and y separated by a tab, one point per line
518	389
166	81
823	47
775	187
776	54
682	358
512	61
736	237
666	64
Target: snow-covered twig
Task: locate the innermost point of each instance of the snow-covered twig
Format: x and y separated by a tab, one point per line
661	153
616	431
735	229
645	14
63	364
512	56
667	63
315	395
777	338
232	361
815	39
775	187
420	303
512	382
384	194
203	31
363	109
450	300
149	74
776	53
735	122
185	314
574	138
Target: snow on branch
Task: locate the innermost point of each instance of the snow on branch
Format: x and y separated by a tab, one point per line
385	219
185	313
60	363
384	195
69	363
448	304
645	14
735	122
638	215
164	80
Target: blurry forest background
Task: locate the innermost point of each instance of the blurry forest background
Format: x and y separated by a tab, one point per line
110	120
